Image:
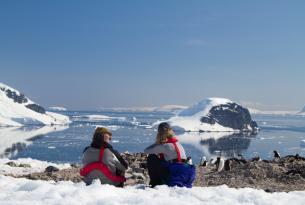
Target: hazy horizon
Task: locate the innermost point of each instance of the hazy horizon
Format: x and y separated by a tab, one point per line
89	55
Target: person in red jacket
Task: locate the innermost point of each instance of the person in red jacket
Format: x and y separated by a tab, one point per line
102	162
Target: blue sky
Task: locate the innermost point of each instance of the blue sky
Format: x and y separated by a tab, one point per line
91	54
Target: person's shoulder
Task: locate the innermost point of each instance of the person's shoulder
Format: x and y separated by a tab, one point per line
90	149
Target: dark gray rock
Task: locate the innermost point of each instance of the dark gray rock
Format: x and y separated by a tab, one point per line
231	115
36	108
51	169
17	98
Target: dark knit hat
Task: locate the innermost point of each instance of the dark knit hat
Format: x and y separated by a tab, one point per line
98	137
102	130
164	126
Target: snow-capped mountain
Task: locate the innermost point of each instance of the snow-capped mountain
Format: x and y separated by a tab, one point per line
18	110
214	114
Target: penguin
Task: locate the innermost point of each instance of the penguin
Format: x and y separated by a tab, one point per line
276	154
256	159
203	161
219	164
242	159
189	161
227	166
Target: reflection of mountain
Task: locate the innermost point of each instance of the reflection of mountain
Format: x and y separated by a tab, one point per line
229	145
209	143
15	139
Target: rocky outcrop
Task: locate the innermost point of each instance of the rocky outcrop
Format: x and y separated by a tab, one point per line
284	174
17	97
231	115
36	108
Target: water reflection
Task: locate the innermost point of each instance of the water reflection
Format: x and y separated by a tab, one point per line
212	144
15	139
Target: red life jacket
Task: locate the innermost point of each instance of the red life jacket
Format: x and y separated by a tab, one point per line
100	166
174	141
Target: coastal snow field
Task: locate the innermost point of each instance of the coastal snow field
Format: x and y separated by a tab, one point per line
14	191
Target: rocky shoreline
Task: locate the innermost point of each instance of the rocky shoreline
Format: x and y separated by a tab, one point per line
280	175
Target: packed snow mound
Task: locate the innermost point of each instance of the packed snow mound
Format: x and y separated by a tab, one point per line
214	114
57	109
18	110
17	190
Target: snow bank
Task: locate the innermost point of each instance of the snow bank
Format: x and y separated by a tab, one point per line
12	136
14	113
35	166
189	119
23	191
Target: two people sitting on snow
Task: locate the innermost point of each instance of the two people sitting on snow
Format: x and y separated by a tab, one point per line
102	162
167	162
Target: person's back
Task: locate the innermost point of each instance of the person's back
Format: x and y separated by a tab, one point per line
168	151
167	160
102	162
91	155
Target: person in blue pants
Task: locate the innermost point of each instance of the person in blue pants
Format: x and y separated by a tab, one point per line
167	161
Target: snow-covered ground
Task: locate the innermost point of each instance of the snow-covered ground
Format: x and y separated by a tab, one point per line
17	114
36	166
10	136
189	119
14	191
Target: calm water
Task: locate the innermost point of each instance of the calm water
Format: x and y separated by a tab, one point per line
132	132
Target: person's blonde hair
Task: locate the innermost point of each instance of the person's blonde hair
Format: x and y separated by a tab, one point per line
162	136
